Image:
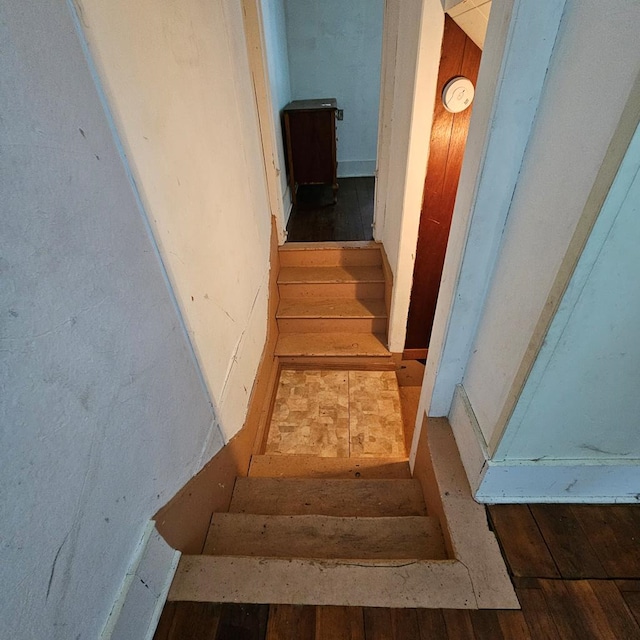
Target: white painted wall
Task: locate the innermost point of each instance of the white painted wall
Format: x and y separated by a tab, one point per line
335	52
103	415
595	62
412	59
177	78
277	58
581	399
512	73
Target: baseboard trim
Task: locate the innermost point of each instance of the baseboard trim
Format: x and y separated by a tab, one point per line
468	436
144	589
568	481
528	481
356	168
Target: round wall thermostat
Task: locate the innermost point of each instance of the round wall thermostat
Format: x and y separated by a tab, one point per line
457	94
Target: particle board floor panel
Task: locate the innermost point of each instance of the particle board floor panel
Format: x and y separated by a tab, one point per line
325	537
337	414
328	497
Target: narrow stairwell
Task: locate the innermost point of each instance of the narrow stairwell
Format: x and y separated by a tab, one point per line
348	525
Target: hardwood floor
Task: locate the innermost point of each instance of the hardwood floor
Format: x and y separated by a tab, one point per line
317	219
576	569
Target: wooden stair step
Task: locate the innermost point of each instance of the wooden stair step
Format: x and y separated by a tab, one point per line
331	282
302	466
325	537
328	497
331	344
322	275
433	584
295	254
331	308
329	315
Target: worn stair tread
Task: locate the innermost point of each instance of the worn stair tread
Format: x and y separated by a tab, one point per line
331	308
328	497
424	583
331	344
303	466
335	274
325	537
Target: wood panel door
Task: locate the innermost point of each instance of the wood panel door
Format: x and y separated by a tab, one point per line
459	57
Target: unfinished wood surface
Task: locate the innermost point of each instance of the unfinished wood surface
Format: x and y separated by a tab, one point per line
331	308
325	275
571	549
525	549
328	497
348	289
291	622
350	363
339	623
335	315
409	401
277	466
410	373
372	583
325	537
331	344
330	254
362	324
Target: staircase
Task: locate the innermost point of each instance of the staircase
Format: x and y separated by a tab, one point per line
344	531
332	301
305	529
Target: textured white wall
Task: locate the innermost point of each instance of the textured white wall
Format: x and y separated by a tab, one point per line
581	400
177	77
103	415
334	52
412	58
275	45
594	64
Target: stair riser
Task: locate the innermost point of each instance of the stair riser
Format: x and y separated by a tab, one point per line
325	537
340	498
331	258
360	290
335	325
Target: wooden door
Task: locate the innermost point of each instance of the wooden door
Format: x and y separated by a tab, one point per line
459	57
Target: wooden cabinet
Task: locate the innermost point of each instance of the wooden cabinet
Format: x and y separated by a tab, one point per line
310	138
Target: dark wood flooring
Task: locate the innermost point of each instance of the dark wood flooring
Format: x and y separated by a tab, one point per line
316	219
576	570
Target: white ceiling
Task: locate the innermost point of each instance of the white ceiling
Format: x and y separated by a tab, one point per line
472	16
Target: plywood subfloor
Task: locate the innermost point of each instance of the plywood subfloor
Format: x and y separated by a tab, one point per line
337	414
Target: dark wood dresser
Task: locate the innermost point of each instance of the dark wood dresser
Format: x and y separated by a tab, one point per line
310	139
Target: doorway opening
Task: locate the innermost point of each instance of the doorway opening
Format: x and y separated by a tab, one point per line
461	52
323	64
